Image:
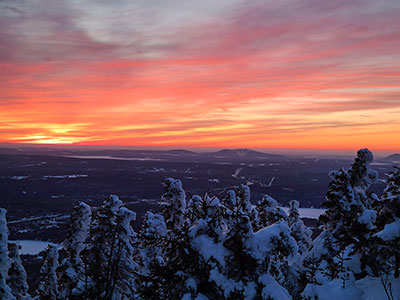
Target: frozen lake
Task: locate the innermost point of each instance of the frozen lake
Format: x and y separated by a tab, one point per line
312	213
32	247
113	157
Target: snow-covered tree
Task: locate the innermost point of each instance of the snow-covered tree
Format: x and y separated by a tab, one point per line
48	288
151	240
168	278
207	210
109	255
239	269
71	272
350	217
173	203
299	231
184	269
5	291
294	215
267	212
16	278
386	250
124	267
341	252
207	237
302	234
247	264
237	200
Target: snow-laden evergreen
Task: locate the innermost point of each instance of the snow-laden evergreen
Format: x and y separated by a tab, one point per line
16	277
48	288
267	212
151	239
299	231
108	258
350	217
71	272
387	246
341	255
5	291
173	202
217	255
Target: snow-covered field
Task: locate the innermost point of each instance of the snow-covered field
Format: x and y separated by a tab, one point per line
32	247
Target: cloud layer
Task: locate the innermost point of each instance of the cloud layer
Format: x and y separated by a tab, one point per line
296	74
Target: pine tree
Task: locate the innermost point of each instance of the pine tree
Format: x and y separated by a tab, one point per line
170	278
16	278
122	281
173	203
294	215
299	231
268	212
206	236
386	251
71	272
109	255
295	276
48	288
238	200
240	266
5	291
349	216
184	268
208	210
254	262
151	238
349	220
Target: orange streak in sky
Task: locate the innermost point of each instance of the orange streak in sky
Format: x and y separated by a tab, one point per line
303	80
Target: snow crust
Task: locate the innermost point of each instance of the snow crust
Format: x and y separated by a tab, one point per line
333	290
390	231
262	242
272	289
208	249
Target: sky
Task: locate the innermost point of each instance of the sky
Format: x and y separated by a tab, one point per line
306	74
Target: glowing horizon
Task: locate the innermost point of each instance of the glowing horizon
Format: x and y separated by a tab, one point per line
221	74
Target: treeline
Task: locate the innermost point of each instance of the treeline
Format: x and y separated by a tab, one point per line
209	247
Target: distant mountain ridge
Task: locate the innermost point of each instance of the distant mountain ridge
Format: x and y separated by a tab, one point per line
235	155
243	153
393	157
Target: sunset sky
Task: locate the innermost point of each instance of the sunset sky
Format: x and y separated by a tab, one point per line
313	74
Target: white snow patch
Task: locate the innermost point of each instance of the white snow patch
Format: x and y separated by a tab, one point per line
271	181
372	288
272	289
368	218
14	177
208	249
64	176
236	174
215	180
391	231
333	290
